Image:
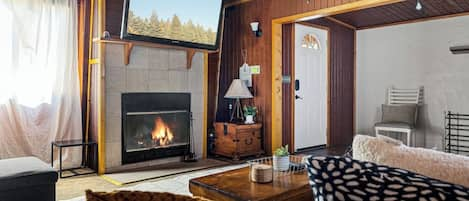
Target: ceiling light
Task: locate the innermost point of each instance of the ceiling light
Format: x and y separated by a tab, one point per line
418	6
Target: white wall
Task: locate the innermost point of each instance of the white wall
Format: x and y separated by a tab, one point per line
409	56
311	71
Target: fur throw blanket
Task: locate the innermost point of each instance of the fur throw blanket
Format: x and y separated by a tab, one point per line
440	165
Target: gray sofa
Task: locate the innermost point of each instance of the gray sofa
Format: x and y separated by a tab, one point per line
26	178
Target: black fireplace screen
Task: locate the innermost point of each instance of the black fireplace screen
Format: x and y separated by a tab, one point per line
155	125
155	130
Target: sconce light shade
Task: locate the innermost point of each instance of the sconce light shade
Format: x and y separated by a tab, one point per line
256	29
254	26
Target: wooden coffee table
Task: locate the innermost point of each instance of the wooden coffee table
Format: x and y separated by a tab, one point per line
235	185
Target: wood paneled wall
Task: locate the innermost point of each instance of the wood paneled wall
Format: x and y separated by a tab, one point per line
114	9
213	60
284	8
238	36
288	57
342	82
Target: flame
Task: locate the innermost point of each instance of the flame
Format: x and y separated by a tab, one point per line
161	134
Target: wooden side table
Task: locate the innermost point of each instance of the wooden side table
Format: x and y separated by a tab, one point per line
238	140
73	143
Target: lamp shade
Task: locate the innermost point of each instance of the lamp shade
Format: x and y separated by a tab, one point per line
238	90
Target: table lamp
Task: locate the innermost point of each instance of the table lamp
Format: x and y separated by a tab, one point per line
237	90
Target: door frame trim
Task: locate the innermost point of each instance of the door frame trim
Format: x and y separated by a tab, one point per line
276	105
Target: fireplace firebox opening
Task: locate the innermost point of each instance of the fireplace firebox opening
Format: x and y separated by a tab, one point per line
155	125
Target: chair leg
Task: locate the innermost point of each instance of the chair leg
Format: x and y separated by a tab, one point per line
408	137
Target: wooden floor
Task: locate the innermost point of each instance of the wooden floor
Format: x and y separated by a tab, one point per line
75	186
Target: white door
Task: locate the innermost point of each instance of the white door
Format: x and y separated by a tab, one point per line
311	89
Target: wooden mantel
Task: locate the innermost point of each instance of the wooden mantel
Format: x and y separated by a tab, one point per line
128	46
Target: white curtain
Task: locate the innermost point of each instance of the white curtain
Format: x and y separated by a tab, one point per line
39	86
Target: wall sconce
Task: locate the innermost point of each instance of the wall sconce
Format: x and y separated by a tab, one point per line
256	29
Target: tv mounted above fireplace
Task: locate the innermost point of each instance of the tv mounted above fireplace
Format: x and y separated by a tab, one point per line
194	24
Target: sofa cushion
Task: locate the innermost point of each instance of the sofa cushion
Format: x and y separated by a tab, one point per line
436	164
341	178
399	114
25	171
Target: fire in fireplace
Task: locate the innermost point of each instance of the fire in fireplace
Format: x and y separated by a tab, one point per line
156	129
155	125
161	133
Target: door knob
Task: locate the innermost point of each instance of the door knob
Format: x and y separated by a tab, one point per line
298	97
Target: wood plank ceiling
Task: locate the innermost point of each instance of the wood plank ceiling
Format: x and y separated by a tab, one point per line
401	12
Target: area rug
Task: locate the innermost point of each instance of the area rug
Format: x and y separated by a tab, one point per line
177	185
159	171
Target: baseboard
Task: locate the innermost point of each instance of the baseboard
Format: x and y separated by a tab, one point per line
312	148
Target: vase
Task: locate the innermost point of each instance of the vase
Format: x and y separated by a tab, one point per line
249	119
281	163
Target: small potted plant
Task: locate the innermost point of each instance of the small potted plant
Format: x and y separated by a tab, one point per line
249	113
281	159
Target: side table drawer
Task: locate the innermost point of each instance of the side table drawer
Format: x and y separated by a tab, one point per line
249	142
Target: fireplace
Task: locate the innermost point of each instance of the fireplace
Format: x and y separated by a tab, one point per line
155	125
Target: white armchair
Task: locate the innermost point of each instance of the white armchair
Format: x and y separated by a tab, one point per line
401	112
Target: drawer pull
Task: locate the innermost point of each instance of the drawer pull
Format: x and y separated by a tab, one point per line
225	129
246	141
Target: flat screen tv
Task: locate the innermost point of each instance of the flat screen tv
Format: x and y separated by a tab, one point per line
188	23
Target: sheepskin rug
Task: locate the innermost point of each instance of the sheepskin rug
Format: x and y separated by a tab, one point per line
436	164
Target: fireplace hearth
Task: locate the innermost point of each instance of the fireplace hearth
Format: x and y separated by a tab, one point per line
155	125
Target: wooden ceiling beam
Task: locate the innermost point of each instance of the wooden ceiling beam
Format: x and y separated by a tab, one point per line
415	20
229	3
341	22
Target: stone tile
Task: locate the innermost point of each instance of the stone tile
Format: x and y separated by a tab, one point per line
178	81
113	129
137	80
197	102
113	154
114	55
198	133
113	104
198	63
158	58
138	58
178	60
196	82
158	81
164	161
115	78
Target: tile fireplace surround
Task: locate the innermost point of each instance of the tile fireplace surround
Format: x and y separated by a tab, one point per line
149	70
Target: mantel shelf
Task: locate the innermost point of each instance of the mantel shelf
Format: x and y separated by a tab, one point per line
128	46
